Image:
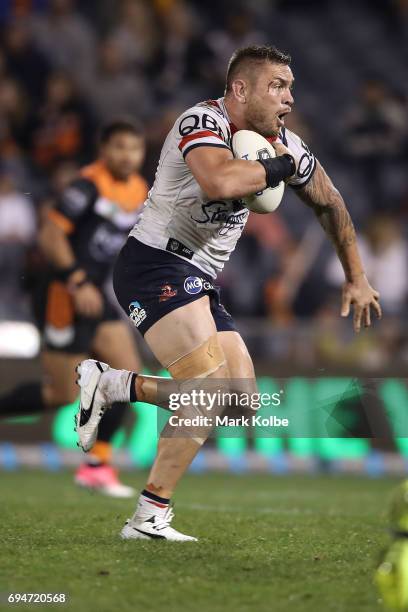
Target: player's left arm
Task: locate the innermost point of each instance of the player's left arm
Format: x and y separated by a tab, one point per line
327	203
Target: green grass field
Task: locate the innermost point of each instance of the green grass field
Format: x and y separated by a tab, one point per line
266	543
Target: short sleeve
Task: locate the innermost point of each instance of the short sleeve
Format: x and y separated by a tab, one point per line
74	202
305	160
200	127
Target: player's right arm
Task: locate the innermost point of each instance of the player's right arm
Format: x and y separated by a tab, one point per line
202	141
222	177
53	239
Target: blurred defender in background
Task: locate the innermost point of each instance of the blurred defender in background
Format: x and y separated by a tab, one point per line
80	238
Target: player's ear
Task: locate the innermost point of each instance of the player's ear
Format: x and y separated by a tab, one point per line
240	90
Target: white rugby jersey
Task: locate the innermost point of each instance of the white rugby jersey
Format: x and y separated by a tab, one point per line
178	216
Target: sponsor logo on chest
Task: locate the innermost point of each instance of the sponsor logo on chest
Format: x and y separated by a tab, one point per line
229	216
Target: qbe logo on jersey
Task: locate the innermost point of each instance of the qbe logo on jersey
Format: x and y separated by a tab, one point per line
195	284
137	314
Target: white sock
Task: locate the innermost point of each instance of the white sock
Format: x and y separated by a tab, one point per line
148	506
116	385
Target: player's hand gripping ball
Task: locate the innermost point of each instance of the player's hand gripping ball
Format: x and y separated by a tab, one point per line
252	146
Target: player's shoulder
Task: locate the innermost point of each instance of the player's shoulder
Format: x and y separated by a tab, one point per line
208	114
204	124
82	185
94	173
214	107
78	195
288	136
306	161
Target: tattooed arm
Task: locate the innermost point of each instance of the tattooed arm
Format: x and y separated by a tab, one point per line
321	195
329	207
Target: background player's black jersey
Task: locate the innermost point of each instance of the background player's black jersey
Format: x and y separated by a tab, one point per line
97	212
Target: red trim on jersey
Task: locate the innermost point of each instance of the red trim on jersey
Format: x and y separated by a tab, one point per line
203	134
272	138
213	103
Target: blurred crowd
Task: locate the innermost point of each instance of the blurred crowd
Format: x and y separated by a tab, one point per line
67	67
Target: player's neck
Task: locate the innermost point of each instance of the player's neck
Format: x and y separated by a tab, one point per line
235	113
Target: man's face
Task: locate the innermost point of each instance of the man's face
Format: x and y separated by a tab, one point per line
269	98
123	154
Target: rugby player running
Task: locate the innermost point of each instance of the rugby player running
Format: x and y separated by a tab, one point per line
164	275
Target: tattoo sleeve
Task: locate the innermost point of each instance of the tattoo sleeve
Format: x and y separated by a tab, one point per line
322	196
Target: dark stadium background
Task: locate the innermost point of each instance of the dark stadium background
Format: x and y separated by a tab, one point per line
67	67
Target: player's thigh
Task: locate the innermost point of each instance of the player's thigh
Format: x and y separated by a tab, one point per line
60	377
114	343
181	331
239	360
240	366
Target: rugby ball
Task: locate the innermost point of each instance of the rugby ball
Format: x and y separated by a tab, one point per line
252	146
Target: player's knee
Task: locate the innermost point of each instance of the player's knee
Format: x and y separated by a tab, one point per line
203	375
207	360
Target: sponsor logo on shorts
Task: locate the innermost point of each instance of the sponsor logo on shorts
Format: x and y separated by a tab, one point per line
137	313
195	284
167	292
